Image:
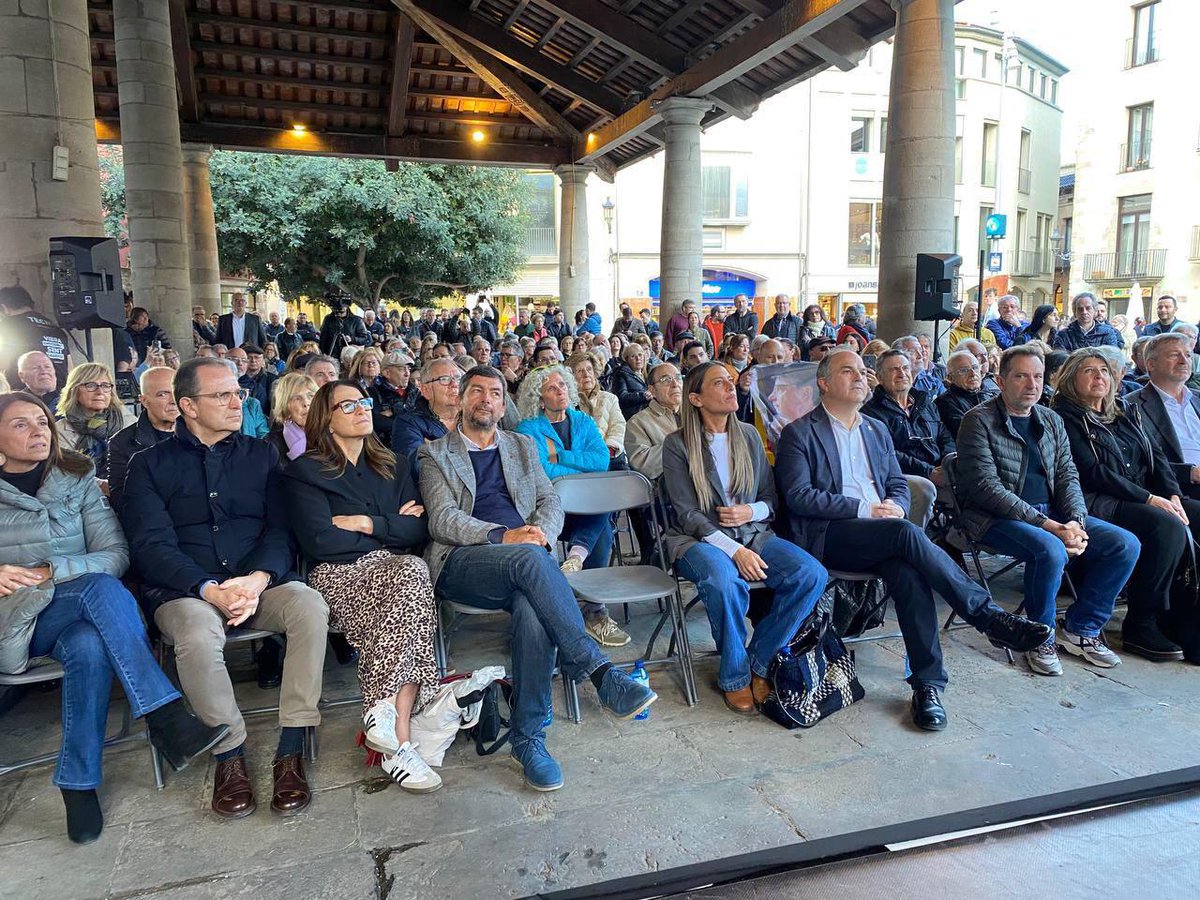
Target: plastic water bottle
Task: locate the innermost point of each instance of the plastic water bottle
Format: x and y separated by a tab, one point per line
640	675
907	668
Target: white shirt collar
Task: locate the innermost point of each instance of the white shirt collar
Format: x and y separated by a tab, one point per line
473	447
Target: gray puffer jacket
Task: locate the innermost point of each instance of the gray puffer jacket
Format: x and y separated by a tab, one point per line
69	527
992	460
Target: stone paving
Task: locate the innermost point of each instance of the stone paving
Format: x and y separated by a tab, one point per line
684	786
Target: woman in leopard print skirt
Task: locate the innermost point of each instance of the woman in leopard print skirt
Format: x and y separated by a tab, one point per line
359	521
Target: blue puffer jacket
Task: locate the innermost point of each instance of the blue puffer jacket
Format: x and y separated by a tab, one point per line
588	451
412	429
1073	338
194	513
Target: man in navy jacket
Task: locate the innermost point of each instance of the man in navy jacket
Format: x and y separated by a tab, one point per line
208	533
848	500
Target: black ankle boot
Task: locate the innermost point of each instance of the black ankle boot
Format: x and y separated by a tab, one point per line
180	736
270	664
342	649
85	821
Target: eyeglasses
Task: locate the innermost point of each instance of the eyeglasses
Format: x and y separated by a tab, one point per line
349	406
669	379
224	397
104	387
443	380
964	370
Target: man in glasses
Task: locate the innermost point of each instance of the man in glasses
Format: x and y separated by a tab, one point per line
966	390
208	535
434	413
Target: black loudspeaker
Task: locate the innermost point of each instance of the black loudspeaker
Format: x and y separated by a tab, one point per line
937	287
85	277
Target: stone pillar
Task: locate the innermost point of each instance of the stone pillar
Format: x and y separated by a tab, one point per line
154	181
681	252
573	277
204	262
39	44
918	168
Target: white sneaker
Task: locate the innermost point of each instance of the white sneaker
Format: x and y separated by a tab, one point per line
380	725
571	564
1092	649
1043	660
412	773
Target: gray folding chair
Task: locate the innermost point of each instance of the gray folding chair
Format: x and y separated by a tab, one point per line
42	669
604	493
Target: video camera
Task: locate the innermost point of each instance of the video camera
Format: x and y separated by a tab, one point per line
337	299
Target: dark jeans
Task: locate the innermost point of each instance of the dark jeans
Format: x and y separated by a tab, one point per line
913	568
596	534
1164	544
795	578
93	628
1098	573
526	581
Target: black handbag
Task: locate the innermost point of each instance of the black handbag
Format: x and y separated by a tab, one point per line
813	676
858	606
493	730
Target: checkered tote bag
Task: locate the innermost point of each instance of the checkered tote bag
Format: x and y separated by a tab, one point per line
813	676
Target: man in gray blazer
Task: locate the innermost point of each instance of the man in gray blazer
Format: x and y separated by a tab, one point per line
492	516
1170	410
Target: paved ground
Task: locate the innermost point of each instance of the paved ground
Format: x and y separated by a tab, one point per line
687	785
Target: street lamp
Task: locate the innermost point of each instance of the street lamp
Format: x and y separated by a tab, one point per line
609	207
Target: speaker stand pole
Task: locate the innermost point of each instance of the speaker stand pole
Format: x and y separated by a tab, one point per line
87	340
979	298
937	339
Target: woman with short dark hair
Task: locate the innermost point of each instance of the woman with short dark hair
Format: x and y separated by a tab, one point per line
358	518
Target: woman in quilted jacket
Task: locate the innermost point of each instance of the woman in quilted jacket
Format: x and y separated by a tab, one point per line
61	555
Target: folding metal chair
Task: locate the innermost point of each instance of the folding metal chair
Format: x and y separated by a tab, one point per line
43	669
166	655
603	493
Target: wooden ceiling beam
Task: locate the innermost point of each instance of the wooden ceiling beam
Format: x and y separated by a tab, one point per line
402	51
262	53
185	77
318	31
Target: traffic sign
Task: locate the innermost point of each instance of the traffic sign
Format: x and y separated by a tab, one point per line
995	261
995	226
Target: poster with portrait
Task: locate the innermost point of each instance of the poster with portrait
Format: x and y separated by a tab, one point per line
783	393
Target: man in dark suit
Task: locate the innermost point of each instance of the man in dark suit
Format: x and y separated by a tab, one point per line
855	522
240	327
1170	410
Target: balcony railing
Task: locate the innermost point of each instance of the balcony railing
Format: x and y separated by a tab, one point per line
1142	264
988	175
1194	253
1140	56
1135	157
1024	179
1033	262
541	241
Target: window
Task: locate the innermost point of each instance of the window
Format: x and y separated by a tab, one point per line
991	134
958	156
984	212
1133	234
980	62
1054	91
1015	69
860	134
1143	46
960	60
866	224
1032	76
883	134
1042	86
1024	175
956	234
714	238
725	191
1065	234
1141	126
540	238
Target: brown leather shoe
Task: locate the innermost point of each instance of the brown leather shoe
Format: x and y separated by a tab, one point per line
292	794
741	701
760	688
233	797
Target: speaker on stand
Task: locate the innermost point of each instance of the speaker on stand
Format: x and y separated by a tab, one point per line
937	291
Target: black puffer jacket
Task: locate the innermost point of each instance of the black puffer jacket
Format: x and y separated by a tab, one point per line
992	460
954	404
920	439
1117	461
630	389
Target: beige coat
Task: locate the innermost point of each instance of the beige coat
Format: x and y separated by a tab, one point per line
644	436
606	412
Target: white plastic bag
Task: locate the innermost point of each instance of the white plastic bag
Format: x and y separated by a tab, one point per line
434	727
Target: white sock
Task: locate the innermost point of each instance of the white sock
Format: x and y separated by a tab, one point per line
579	551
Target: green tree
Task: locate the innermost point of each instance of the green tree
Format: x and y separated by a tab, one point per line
112	193
423	231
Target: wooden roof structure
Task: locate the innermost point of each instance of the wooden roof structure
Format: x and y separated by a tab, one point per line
529	83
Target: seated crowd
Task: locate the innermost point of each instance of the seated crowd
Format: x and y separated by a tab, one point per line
328	483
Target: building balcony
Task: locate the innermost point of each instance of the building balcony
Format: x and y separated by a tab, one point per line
1033	263
541	241
1144	55
1194	253
1143	265
1024	180
1134	157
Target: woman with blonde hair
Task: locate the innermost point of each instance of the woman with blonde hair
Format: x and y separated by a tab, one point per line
722	490
365	367
291	396
876	348
90	413
299	357
602	406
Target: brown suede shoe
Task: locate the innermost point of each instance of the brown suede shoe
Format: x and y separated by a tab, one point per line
292	794
740	701
760	688
233	798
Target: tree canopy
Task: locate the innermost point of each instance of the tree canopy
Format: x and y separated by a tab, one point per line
311	223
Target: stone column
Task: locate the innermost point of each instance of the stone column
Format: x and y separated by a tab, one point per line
573	276
204	262
45	100
918	168
154	181
681	253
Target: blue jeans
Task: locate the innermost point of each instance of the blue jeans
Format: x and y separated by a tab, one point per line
797	581
526	581
596	534
93	628
1099	573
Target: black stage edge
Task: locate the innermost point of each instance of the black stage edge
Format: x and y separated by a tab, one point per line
873	841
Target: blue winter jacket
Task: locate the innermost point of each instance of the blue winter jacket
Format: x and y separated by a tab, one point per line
588	451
